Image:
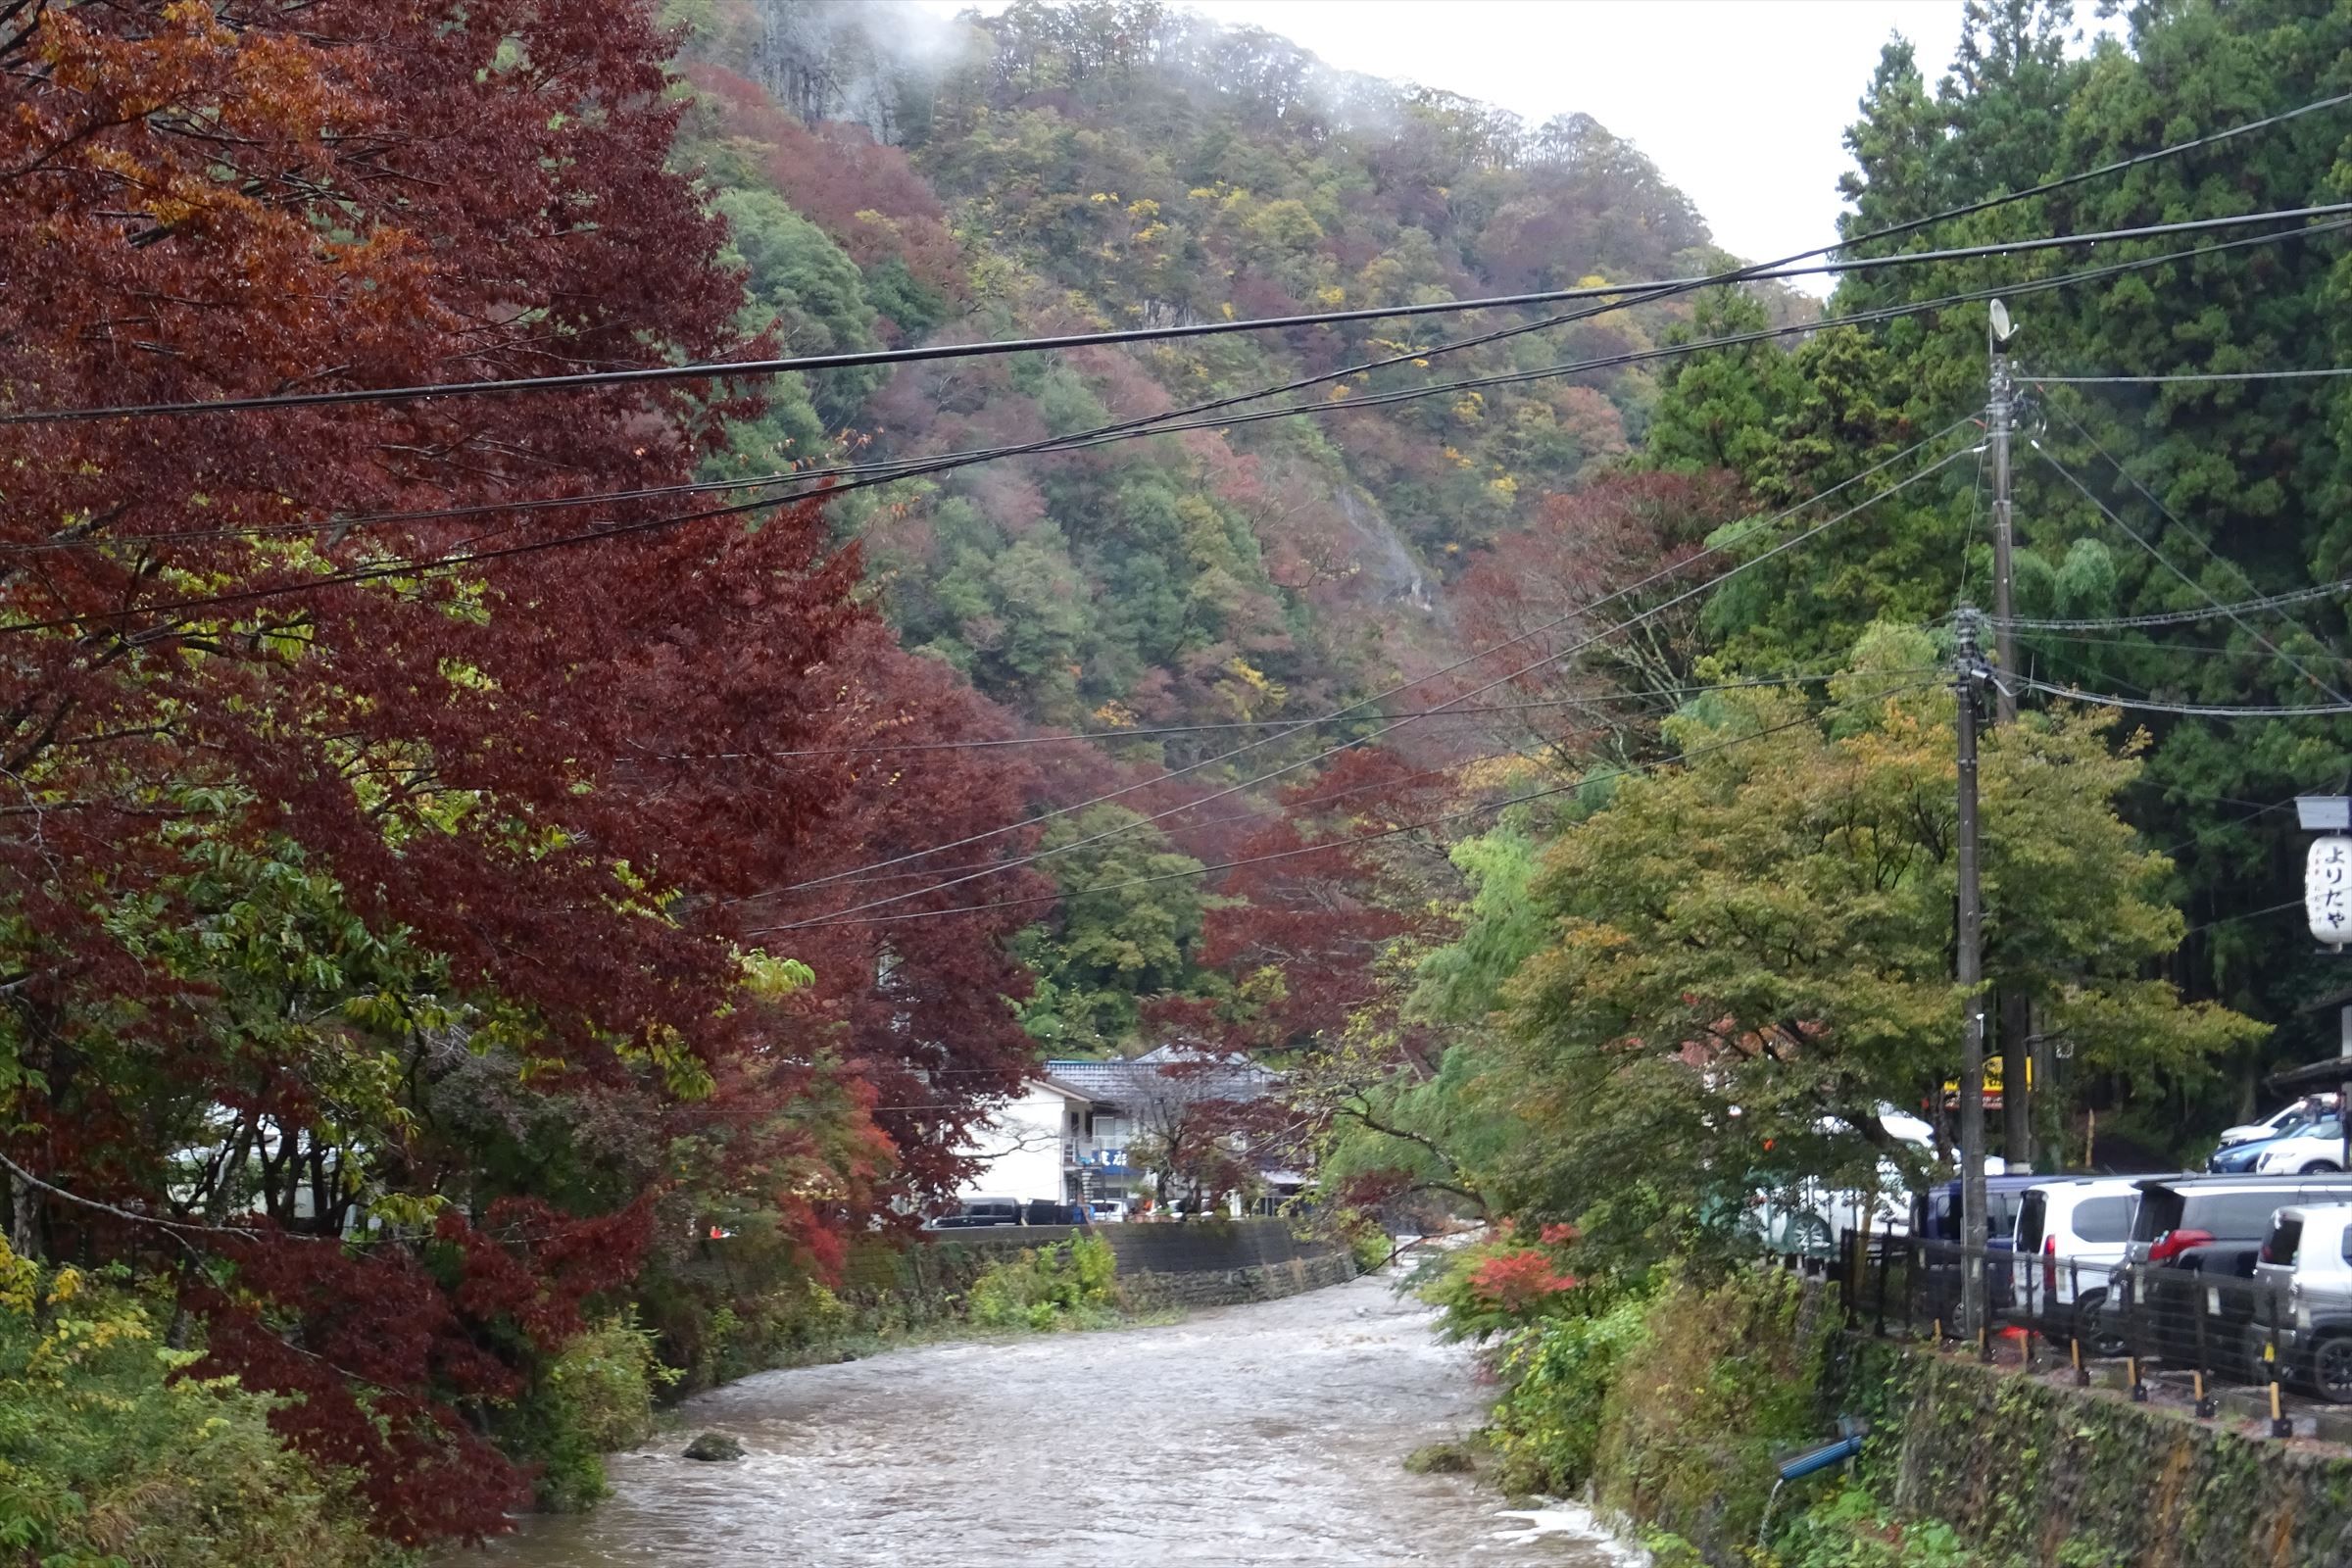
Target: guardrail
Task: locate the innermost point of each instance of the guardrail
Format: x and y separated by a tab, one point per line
2218	1329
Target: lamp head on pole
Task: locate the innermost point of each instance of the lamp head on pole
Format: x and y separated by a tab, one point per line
2002	330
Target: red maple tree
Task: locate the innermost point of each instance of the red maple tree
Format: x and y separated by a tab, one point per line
574	775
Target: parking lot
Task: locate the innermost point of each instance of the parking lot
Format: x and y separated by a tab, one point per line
2217	1347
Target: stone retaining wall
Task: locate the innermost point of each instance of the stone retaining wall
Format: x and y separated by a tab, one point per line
1264	1282
2029	1471
1194	1263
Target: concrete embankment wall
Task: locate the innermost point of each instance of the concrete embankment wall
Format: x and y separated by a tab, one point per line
1194	1263
2054	1475
1729	1377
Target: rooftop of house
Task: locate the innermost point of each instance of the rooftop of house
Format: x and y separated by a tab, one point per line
1233	1074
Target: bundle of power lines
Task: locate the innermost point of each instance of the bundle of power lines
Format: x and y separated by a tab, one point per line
793	486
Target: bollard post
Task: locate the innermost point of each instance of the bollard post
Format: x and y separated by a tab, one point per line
1910	1287
1848	1254
2280	1427
2074	1320
2131	1345
1886	1254
2198	1378
1982	1263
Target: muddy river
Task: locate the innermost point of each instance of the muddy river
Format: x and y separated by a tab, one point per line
1251	1435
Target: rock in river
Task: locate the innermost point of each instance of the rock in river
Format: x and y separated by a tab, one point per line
715	1446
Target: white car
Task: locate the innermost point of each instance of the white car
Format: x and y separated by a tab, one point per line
1107	1211
1807	1218
2071	1236
2320	1146
2280	1122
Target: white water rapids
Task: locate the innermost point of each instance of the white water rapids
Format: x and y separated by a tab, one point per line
1265	1433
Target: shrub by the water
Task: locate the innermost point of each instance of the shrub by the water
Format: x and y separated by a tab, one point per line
1509	1281
1850	1529
1559	1374
107	1456
594	1398
1047	1287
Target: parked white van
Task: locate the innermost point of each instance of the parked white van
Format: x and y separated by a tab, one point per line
2071	1235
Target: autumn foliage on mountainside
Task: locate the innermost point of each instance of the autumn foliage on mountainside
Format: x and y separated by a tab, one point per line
1119	163
380	857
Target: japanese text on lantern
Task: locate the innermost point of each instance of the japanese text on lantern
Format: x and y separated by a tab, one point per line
2327	889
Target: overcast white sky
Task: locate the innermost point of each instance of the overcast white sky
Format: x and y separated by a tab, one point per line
1742	103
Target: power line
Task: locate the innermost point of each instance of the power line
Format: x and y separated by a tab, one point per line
1293	807
2190	709
1642	293
1654	611
1170	423
2166	561
411	567
1379	695
883	357
2149	645
1246	723
2201	835
1338	844
2181	618
1968	535
748	369
2188	375
2230	919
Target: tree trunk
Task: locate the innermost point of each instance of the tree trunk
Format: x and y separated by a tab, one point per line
23	1218
2017	1099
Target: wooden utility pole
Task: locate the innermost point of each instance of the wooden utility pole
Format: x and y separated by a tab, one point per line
2004	630
1973	1318
2017	1020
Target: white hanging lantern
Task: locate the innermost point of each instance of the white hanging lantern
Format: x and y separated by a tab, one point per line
2327	889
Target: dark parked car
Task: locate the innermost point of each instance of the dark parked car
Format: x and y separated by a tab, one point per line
979	1213
1936	1217
2191	1232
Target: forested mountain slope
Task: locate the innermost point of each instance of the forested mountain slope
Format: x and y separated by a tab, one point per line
891	179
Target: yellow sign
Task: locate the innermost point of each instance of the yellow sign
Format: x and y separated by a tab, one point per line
1993	1077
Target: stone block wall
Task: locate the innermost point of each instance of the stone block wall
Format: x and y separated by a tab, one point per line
1262	1282
1194	1263
2053	1476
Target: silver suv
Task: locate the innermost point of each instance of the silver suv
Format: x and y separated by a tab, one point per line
2307	1260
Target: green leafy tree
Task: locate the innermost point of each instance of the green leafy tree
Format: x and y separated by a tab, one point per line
1750	953
804	288
2240	487
1116	936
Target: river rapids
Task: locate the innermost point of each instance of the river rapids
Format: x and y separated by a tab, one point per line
1265	1433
